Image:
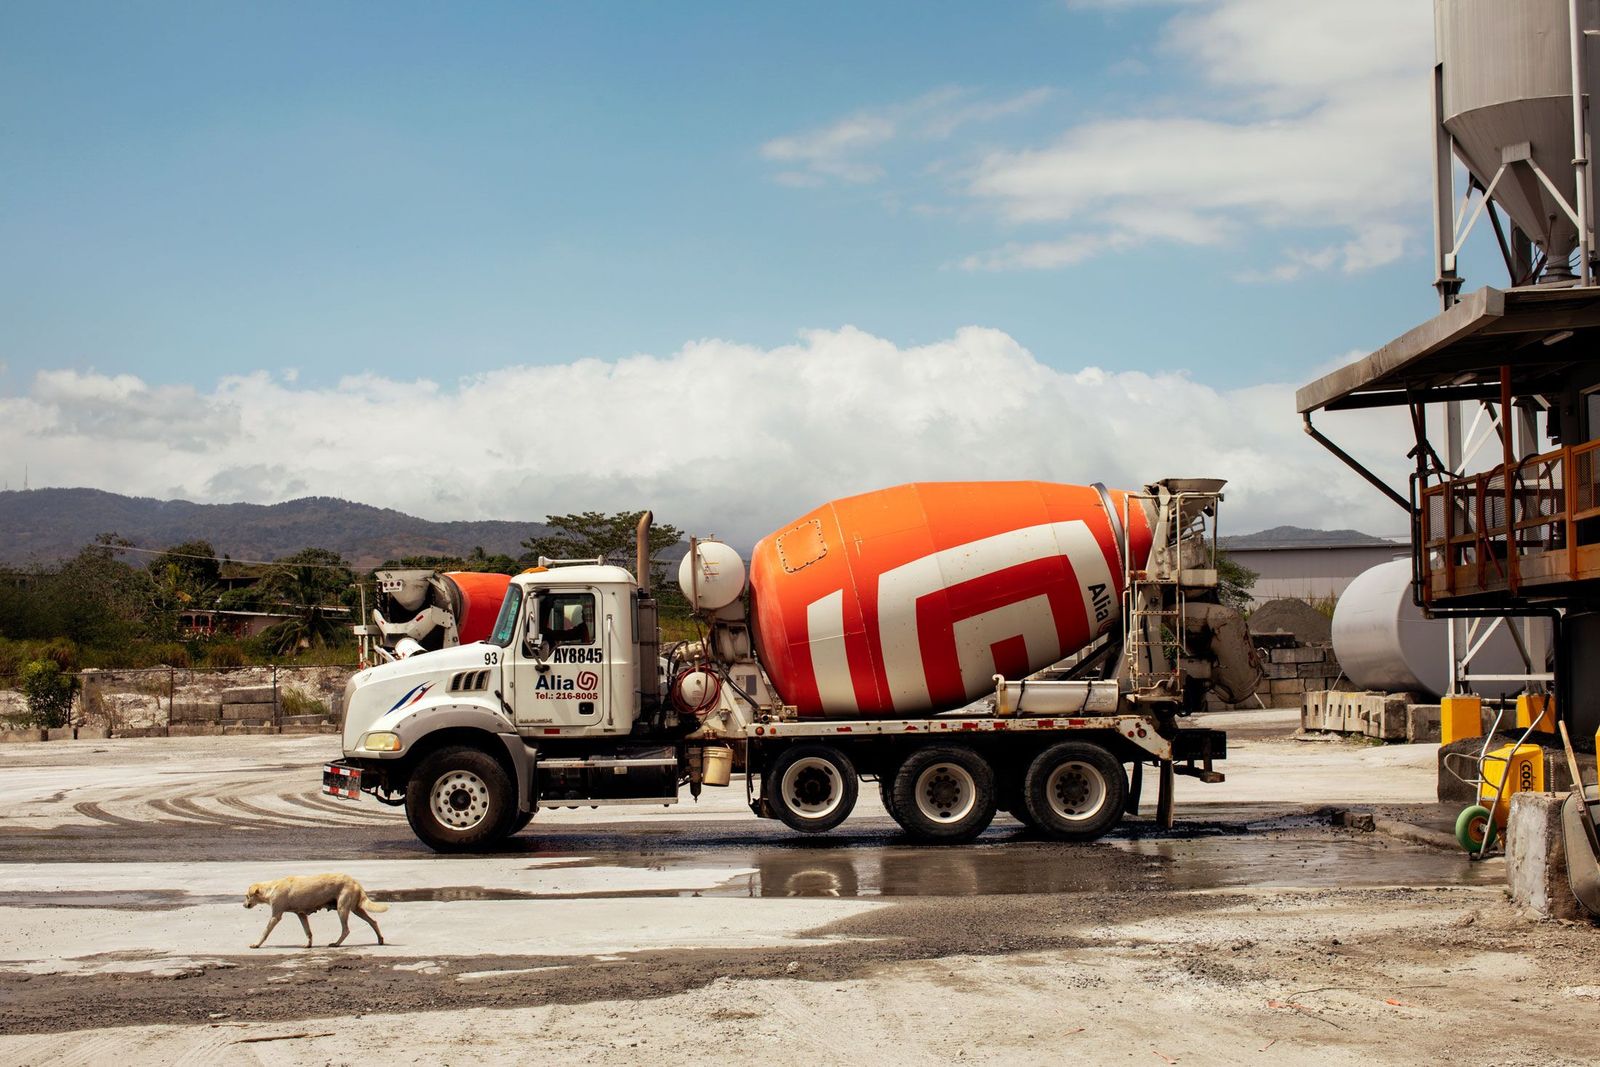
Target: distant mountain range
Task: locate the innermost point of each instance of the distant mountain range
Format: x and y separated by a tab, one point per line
45	525
1300	537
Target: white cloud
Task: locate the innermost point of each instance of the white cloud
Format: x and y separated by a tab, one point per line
717	437
1320	124
841	150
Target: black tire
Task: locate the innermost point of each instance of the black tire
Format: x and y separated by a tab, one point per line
1075	791
460	799
811	788
519	823
944	794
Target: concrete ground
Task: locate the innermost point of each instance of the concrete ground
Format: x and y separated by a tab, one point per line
1254	930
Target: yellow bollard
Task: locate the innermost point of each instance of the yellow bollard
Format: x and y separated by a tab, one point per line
1460	716
1536	707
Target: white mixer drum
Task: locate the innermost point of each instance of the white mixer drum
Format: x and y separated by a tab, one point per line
1383	641
711	576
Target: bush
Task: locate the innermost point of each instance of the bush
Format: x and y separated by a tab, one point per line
297	703
48	691
170	654
225	654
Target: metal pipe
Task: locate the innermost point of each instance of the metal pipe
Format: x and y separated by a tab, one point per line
1580	142
1355	465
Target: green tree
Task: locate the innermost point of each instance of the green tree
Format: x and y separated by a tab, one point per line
592	534
307	584
1234	582
48	691
189	573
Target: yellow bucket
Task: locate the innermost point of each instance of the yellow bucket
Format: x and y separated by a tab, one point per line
718	766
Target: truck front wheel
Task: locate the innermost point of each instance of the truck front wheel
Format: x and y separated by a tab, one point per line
811	788
1075	791
459	799
944	794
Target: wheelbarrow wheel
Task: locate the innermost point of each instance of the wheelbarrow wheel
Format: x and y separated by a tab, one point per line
1475	828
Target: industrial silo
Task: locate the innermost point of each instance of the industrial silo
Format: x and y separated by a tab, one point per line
1507	77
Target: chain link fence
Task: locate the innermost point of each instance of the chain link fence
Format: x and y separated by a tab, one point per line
187	701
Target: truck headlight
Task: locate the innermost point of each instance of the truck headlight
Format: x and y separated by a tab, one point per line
381	742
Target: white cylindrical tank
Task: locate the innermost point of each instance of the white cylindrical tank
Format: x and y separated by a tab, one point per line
711	575
1384	642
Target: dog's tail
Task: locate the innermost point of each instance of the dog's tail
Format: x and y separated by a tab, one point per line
371	905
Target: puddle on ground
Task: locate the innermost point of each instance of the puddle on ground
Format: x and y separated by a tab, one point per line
1001	869
123	900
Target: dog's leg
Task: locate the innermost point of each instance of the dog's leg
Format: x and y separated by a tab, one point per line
344	924
270	924
359	910
307	924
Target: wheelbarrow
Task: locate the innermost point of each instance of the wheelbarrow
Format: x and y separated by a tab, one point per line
1578	814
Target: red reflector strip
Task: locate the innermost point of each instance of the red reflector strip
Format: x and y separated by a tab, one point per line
844	729
552	730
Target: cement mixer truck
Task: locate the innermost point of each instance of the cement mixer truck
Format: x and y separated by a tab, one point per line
971	648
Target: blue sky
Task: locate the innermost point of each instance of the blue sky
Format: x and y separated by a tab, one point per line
312	194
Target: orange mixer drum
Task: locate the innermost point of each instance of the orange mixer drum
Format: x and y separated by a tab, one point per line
481	596
911	599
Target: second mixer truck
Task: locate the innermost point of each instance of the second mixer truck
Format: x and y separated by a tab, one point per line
1025	647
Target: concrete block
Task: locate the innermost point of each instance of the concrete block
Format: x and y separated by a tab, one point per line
1422	724
194	729
233	729
257	712
58	733
1312	706
1536	857
247	694
19	736
1302	655
1279	655
310	728
195	711
1388	722
91	733
1279	670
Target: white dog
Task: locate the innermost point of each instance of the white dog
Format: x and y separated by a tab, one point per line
305	894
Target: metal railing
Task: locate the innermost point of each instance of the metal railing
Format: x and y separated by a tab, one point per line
1519	524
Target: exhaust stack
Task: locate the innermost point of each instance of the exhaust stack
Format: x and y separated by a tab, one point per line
642	551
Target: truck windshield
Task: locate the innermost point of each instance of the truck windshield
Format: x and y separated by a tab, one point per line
505	627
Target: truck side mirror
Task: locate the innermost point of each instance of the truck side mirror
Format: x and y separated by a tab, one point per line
534	643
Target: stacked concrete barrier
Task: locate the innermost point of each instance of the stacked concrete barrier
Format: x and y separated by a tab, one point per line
1383	716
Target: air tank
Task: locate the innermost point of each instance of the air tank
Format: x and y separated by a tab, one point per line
909	600
1384	643
1506	73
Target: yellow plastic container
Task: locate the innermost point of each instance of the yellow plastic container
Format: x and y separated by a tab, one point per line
718	764
1536	707
1526	764
1460	716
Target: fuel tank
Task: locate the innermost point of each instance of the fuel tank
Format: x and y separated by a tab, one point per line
909	600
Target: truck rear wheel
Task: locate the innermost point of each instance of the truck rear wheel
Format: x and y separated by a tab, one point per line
1075	791
944	794
811	788
460	799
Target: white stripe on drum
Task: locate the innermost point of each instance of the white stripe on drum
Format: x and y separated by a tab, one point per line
830	663
900	589
1032	620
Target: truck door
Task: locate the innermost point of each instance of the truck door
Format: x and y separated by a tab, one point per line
559	679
